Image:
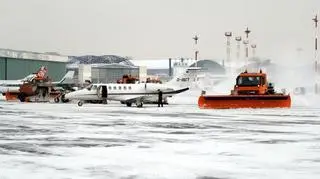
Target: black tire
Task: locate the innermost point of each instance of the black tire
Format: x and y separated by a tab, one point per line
22	97
63	99
56	99
104	101
80	103
129	104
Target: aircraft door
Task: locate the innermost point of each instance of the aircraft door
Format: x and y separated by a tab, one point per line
102	91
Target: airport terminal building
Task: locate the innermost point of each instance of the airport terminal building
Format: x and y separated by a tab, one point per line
16	64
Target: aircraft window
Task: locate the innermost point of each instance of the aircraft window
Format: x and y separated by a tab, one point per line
114	87
129	87
110	87
125	88
119	87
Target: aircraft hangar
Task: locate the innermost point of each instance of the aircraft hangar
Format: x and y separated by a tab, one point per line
103	69
15	64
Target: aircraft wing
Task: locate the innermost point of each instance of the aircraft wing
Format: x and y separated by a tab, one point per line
134	99
145	96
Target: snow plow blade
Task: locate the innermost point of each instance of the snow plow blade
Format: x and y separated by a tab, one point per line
244	101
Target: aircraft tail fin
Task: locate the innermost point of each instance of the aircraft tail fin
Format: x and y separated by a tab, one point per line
68	78
186	79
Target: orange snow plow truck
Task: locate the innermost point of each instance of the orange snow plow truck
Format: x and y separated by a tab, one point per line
252	90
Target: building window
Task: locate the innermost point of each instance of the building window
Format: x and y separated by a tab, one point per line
125	88
114	88
110	88
129	87
119	87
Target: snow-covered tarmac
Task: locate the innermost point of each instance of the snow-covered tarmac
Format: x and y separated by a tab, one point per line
177	141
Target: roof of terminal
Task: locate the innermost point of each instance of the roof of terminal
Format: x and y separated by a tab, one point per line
104	59
54	57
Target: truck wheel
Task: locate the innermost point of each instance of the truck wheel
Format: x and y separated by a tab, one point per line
129	104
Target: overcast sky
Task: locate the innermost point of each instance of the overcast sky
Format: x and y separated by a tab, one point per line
157	29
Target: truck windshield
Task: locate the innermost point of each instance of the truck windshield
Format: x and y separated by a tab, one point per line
249	80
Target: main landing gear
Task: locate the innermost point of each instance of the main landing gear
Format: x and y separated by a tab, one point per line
139	105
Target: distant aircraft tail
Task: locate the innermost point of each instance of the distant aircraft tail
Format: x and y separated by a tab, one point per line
67	79
186	79
195	77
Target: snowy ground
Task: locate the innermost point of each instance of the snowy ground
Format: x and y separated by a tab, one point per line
178	141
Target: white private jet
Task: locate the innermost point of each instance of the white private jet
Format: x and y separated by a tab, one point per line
13	86
137	93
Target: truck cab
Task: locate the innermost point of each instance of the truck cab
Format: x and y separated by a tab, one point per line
251	84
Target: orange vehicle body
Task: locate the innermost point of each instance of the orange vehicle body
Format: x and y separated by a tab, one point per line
11	96
252	94
28	90
128	79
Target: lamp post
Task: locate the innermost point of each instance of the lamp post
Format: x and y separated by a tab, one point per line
253	46
196	38
238	39
228	36
316	68
247	32
246	42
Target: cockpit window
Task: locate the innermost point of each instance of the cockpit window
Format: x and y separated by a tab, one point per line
89	87
248	80
94	87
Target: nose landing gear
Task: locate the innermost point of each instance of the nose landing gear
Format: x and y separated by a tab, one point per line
80	103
